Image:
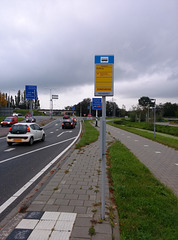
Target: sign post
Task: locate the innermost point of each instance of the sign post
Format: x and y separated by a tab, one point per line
96	105
31	93
104	74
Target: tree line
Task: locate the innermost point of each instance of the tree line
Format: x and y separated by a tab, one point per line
19	101
142	112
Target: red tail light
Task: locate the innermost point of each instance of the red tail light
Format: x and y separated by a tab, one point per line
28	129
10	129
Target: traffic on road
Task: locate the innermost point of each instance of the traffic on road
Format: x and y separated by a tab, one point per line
23	164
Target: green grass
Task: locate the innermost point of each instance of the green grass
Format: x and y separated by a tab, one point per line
147	209
167	140
172	130
90	135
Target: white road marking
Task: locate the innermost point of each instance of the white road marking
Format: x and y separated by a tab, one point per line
36	150
146	145
63	133
136	140
157	152
176	164
10	149
2	138
20	191
51	132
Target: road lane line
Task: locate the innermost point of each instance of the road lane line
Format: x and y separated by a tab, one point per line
29	183
36	150
63	133
10	149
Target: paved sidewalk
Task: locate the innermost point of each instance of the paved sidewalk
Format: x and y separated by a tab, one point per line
69	205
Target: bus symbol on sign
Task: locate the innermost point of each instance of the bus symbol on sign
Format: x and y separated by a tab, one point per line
104	60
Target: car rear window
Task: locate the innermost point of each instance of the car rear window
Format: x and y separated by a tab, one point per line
19	129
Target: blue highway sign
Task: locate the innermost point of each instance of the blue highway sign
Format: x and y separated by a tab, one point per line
96	103
30	92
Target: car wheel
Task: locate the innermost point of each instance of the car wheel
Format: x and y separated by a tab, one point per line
1	125
9	143
43	138
31	141
62	127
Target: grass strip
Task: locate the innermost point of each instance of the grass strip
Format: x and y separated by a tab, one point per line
166	140
90	135
147	209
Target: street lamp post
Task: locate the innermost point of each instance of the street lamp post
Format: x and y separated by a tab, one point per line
154	104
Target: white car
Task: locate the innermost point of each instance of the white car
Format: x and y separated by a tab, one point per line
25	133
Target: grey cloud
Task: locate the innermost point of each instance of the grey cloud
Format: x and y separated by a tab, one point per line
53	43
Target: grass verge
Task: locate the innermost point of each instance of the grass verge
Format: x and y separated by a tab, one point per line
90	135
166	140
147	209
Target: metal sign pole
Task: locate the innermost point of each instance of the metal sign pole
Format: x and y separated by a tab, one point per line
103	160
104	70
31	108
96	118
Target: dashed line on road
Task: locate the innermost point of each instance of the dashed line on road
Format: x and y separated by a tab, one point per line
146	145
136	140
10	149
157	152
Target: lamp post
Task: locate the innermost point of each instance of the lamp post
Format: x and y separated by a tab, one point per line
154	106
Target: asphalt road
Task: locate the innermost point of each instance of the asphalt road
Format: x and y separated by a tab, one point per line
21	162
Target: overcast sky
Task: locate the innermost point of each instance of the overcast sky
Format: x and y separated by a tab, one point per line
52	44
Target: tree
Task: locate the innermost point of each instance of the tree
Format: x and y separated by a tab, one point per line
144	101
169	109
3	101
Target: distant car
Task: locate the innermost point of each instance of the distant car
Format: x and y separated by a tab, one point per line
30	119
17	114
68	123
66	117
9	121
25	133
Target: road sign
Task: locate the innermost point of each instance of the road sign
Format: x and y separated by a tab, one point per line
104	75
54	96
96	103
30	92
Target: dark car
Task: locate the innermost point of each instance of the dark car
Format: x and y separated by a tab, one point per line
30	119
68	123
